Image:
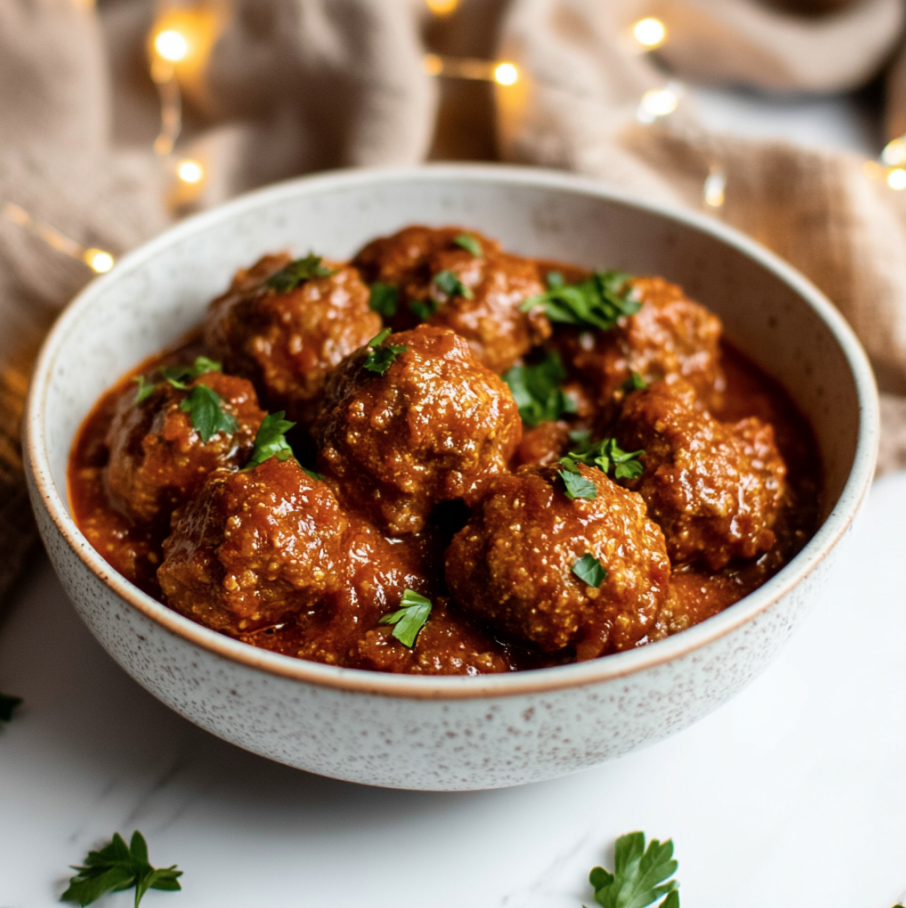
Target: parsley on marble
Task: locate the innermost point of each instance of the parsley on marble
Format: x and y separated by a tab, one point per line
609	458
290	276
470	244
597	302
410	618
577	486
537	392
449	282
424	309
118	866
635	382
8	703
382	356
641	875
383	299
589	570
205	407
270	441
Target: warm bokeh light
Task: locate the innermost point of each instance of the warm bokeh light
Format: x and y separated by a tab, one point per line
171	45
894	153
432	64
190	171
896	179
714	190
98	260
658	102
650	32
442	7
506	74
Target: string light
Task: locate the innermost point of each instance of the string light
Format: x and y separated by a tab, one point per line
714	190
659	102
650	32
501	72
442	7
190	171
506	74
171	45
896	179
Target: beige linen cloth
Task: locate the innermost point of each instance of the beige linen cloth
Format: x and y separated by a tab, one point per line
292	86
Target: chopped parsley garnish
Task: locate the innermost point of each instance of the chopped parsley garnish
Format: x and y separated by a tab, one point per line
449	283
537	391
577	486
635	382
180	376
609	458
424	309
641	876
270	441
597	302
297	272
7	704
383	299
119	866
145	389
410	619
381	357
470	244
205	406
589	570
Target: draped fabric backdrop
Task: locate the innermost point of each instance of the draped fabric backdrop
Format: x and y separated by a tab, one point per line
292	86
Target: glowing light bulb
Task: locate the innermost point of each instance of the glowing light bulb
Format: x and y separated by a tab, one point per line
658	102
896	179
714	190
650	32
506	74
894	152
171	45
442	7
99	261
190	171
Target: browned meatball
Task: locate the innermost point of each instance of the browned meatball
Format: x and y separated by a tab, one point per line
157	457
544	444
513	564
287	340
669	335
483	307
715	488
253	547
435	426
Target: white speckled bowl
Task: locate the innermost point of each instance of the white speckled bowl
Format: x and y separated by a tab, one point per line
448	733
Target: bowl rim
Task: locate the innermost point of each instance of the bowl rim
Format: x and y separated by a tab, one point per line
422	687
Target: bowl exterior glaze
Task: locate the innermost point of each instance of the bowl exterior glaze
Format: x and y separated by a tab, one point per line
448	733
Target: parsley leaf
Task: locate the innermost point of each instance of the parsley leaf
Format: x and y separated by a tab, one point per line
537	391
410	619
609	458
639	875
297	272
383	299
577	486
470	244
381	358
449	283
635	382
589	570
145	389
205	406
7	704
118	866
180	376
424	309
597	302
269	441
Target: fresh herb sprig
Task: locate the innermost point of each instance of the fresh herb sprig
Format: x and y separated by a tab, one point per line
424	309
597	302
410	618
118	866
382	356
270	440
576	485
383	299
635	382
205	407
641	876
8	704
470	244
609	458
589	570
177	376
290	276
537	392
448	282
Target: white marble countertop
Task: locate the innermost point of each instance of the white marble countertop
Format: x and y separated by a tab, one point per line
793	794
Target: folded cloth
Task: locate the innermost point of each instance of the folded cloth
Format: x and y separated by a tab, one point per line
284	87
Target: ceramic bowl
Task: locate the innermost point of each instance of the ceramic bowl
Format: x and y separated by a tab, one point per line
437	732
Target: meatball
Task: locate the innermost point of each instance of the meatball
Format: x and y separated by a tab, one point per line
669	335
435	426
545	443
253	547
714	488
157	457
287	335
513	565
477	296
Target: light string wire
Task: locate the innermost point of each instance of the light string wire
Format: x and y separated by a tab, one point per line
181	34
